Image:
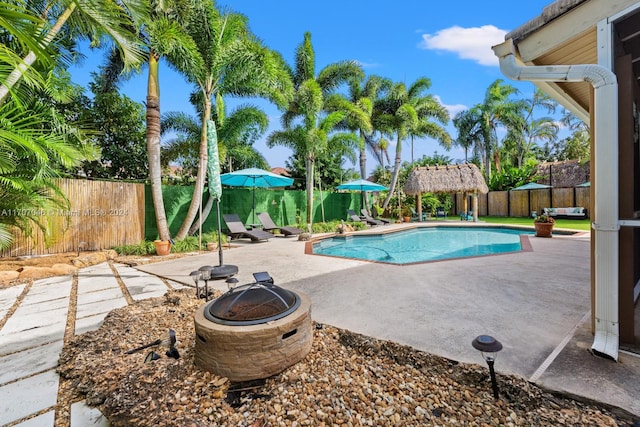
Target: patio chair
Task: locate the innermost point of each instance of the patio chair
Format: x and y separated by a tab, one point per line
238	230
440	212
466	216
270	226
355	218
365	215
414	214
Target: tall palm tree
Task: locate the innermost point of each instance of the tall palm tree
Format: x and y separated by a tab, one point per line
308	130
227	59
405	110
164	35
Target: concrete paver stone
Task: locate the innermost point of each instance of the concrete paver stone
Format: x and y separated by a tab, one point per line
85	416
103	306
46	419
28	396
25	363
8	297
141	285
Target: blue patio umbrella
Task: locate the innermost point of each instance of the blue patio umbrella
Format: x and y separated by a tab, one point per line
254	177
361	185
584	184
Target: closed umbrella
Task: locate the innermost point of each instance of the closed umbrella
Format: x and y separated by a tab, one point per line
213	171
361	185
254	177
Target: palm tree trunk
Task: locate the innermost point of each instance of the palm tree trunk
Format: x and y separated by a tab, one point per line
363	157
396	172
206	210
15	75
153	147
310	164
196	199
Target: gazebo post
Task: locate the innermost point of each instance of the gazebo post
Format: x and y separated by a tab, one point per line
419	206
474	196
464	203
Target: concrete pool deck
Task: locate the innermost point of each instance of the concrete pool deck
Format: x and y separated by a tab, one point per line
537	303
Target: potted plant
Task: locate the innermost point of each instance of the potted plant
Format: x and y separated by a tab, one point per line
544	225
406	213
163	247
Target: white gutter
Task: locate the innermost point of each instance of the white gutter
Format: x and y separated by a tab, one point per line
605	215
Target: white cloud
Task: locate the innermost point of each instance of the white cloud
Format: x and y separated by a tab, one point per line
368	64
452	109
468	43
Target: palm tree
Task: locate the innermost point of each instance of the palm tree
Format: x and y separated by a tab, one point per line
83	18
312	133
227	59
237	132
405	110
164	35
480	123
525	131
469	136
359	109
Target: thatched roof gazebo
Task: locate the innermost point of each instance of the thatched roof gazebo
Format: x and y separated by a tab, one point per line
465	178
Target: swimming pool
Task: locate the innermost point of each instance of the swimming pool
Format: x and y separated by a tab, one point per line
424	244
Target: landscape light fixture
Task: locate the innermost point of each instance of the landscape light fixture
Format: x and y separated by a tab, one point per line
205	274
231	282
489	347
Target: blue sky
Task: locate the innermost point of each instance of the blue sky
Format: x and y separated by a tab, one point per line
446	41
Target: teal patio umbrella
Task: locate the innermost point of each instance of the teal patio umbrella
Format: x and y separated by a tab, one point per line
361	185
254	177
531	186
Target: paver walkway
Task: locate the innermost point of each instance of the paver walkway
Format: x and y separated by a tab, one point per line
34	320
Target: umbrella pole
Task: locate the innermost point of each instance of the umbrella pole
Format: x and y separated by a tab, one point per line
219	233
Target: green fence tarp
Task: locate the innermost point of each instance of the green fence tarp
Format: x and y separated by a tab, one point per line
284	206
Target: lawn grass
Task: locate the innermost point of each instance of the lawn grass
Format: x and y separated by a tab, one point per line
571	224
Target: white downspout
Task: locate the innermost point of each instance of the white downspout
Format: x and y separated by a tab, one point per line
605	225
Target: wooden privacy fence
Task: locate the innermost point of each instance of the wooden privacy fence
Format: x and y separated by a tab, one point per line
522	202
101	215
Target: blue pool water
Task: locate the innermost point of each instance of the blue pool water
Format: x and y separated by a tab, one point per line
423	244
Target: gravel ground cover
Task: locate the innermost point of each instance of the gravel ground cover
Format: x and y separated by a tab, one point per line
346	380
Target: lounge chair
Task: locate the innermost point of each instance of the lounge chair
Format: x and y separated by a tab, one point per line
355	218
440	212
270	226
365	215
238	230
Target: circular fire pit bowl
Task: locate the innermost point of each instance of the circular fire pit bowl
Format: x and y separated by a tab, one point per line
279	333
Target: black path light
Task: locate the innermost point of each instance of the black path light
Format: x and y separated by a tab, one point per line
489	347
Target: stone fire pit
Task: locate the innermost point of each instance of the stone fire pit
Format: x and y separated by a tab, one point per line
253	331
